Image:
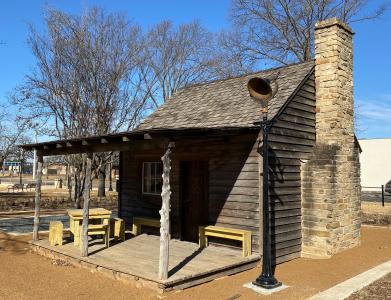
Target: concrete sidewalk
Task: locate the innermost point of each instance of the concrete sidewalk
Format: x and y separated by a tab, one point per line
348	287
23	224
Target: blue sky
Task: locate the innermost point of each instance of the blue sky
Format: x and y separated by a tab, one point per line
372	46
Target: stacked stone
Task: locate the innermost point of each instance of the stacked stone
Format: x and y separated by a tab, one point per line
331	209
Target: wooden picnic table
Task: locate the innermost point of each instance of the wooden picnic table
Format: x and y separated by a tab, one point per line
76	220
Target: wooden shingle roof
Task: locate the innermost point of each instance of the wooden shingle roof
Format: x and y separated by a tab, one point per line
225	103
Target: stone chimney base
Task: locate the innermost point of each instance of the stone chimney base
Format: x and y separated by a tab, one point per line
331	207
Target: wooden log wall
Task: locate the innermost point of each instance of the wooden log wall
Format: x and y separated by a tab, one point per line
234	178
233	182
291	139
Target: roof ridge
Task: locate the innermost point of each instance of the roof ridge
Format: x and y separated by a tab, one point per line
242	75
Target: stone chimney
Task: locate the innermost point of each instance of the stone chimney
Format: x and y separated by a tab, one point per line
331	210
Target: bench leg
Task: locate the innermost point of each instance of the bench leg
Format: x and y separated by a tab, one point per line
246	245
76	234
203	240
136	229
122	231
107	239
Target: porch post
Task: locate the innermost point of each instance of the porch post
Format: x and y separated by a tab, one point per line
38	182
86	206
165	214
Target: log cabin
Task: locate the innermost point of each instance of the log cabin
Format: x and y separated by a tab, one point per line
209	134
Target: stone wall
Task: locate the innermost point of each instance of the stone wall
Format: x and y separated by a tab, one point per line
331	177
25	201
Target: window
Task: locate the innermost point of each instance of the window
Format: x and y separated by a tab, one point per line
152	178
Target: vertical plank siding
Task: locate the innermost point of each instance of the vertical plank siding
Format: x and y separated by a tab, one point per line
234	177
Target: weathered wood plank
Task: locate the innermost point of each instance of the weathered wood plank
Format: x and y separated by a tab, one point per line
302	107
305	94
276	130
305	100
303	115
290	147
300	121
86	205
291	140
236	198
294	124
245	214
285	191
237	183
286	258
233	175
252	191
308	87
37	199
281	184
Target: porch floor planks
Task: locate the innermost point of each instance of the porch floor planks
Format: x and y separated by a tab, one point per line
139	256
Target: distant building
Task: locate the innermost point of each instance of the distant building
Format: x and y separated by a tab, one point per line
55	169
14	167
375	162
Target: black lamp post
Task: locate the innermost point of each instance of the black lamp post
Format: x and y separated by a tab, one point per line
21	167
260	89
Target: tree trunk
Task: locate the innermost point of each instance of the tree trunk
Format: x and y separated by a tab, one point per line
86	206
3	165
67	175
37	197
101	182
69	184
165	215
77	188
110	177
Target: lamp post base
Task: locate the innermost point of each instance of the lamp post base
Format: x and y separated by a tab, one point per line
267	282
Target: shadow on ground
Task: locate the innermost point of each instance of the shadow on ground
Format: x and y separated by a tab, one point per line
9	243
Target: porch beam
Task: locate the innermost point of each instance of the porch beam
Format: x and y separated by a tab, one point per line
38	183
165	214
86	206
97	146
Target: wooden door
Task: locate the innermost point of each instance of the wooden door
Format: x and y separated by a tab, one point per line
194	198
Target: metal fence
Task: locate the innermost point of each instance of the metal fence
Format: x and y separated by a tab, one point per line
385	197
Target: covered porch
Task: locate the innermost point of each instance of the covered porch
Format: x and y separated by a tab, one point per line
136	260
157	261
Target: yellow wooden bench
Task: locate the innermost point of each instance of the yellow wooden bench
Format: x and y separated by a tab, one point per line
139	221
56	229
97	229
57	232
117	228
226	233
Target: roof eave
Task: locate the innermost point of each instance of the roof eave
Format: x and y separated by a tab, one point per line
121	141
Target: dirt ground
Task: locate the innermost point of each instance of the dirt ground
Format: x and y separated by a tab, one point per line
379	290
24	275
376	207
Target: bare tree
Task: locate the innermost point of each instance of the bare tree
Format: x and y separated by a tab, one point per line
281	31
175	57
86	82
12	134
